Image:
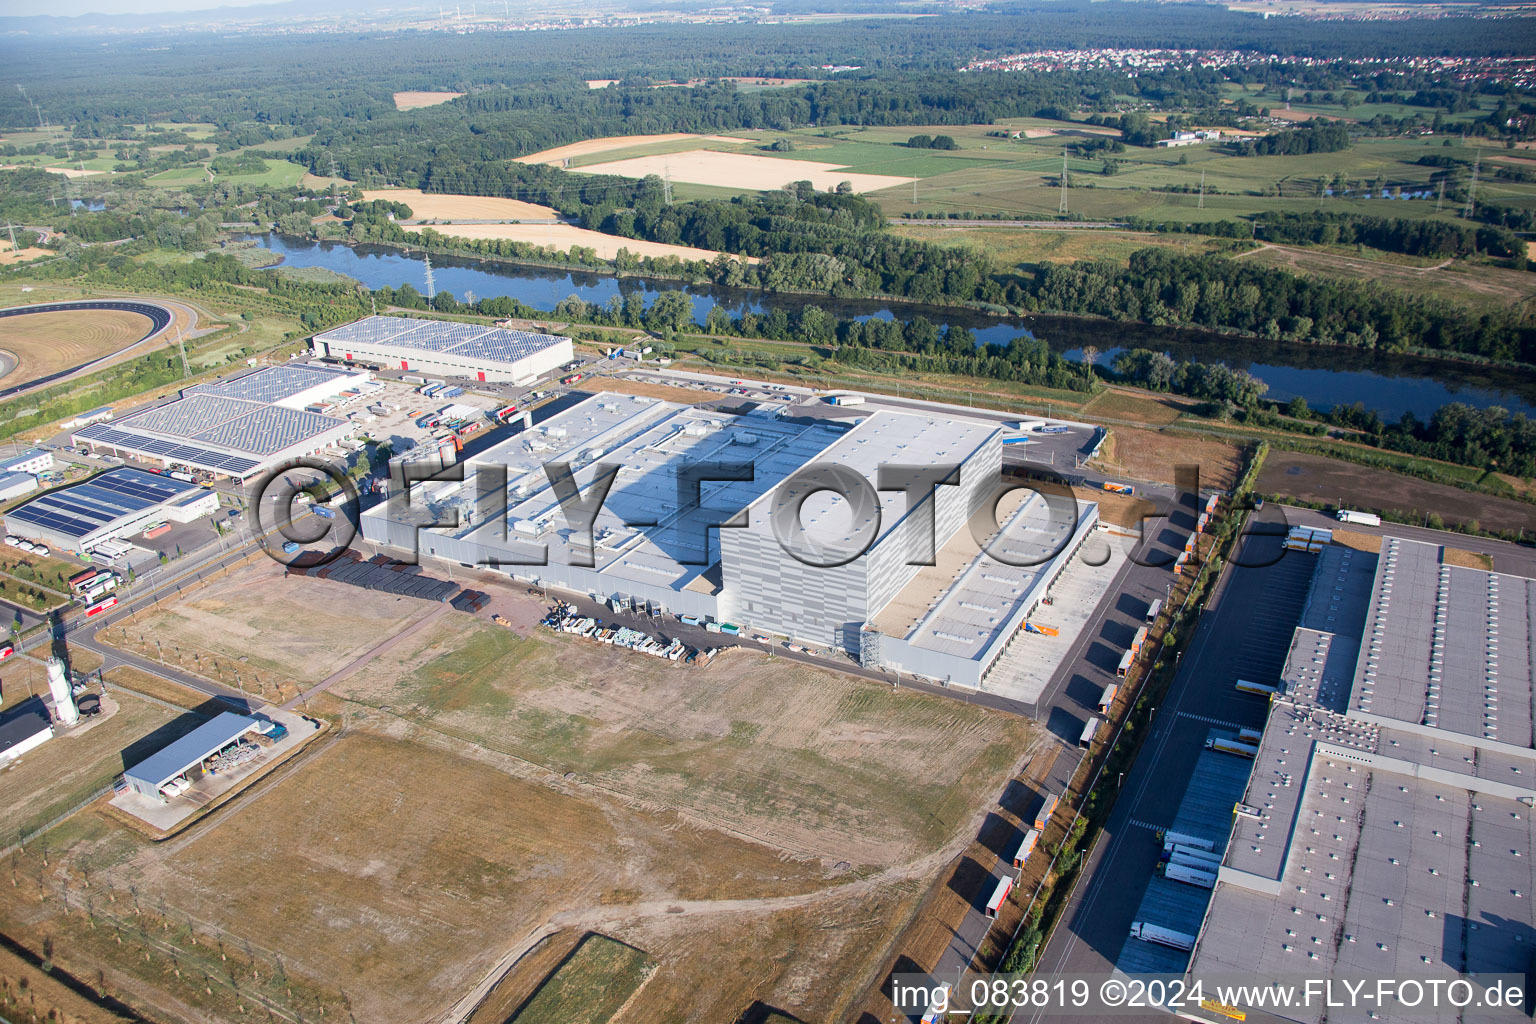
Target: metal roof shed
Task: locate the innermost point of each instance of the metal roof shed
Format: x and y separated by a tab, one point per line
23	727
149	775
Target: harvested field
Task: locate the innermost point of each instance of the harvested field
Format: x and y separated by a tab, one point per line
10	256
560	154
664	392
1129	405
406	869
1319	479
565	236
743	171
815	764
49	342
442	206
250	623
417	100
1152	455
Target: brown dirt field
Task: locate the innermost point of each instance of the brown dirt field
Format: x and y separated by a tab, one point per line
1118	509
1320	479
247	623
407	890
48	342
1468	559
1153	454
664	392
417	100
1127	405
26	990
10	256
442	206
130	678
611	142
1359	541
711	742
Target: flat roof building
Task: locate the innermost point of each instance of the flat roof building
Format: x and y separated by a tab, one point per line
23	728
445	348
658	540
186	755
1386	826
114	504
238	428
33	461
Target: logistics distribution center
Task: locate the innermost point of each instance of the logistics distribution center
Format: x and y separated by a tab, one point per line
1386	828
118	503
445	348
236	428
653	548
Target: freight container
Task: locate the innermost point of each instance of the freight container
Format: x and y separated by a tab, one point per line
1139	640
1257	689
1107	699
999	895
1177	853
1126	660
1024	847
1046	810
1090	730
1154	610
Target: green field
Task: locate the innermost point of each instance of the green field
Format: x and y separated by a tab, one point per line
279	174
590	986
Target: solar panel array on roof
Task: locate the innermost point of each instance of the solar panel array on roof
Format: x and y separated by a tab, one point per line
191	455
269	384
267	429
468	341
188	415
85	508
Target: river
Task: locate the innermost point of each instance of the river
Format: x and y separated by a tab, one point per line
1389	384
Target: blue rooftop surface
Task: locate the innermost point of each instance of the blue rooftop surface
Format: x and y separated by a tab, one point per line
271	383
161	767
191	455
87	507
468	341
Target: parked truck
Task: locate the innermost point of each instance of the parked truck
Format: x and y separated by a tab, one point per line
999	895
1189	875
1257	689
1168	838
847	399
1025	846
1225	746
1046	810
1162	936
1178	853
1154	610
1344	515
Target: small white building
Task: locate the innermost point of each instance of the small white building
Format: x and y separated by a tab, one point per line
33	461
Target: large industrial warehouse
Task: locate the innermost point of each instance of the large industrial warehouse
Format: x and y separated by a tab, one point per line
236	428
115	504
651	550
445	348
1386	829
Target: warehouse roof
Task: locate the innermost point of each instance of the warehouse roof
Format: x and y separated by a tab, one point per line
22	722
84	508
467	341
206	739
272	384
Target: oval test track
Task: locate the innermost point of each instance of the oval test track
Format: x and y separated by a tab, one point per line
160	317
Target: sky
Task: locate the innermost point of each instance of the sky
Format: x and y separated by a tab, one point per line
71	8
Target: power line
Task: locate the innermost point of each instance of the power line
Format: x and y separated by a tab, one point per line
1062	208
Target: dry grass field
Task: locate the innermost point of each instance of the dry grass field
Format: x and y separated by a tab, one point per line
443	206
1154	454
10	256
45	343
1112	403
560	154
743	171
417	100
566	236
